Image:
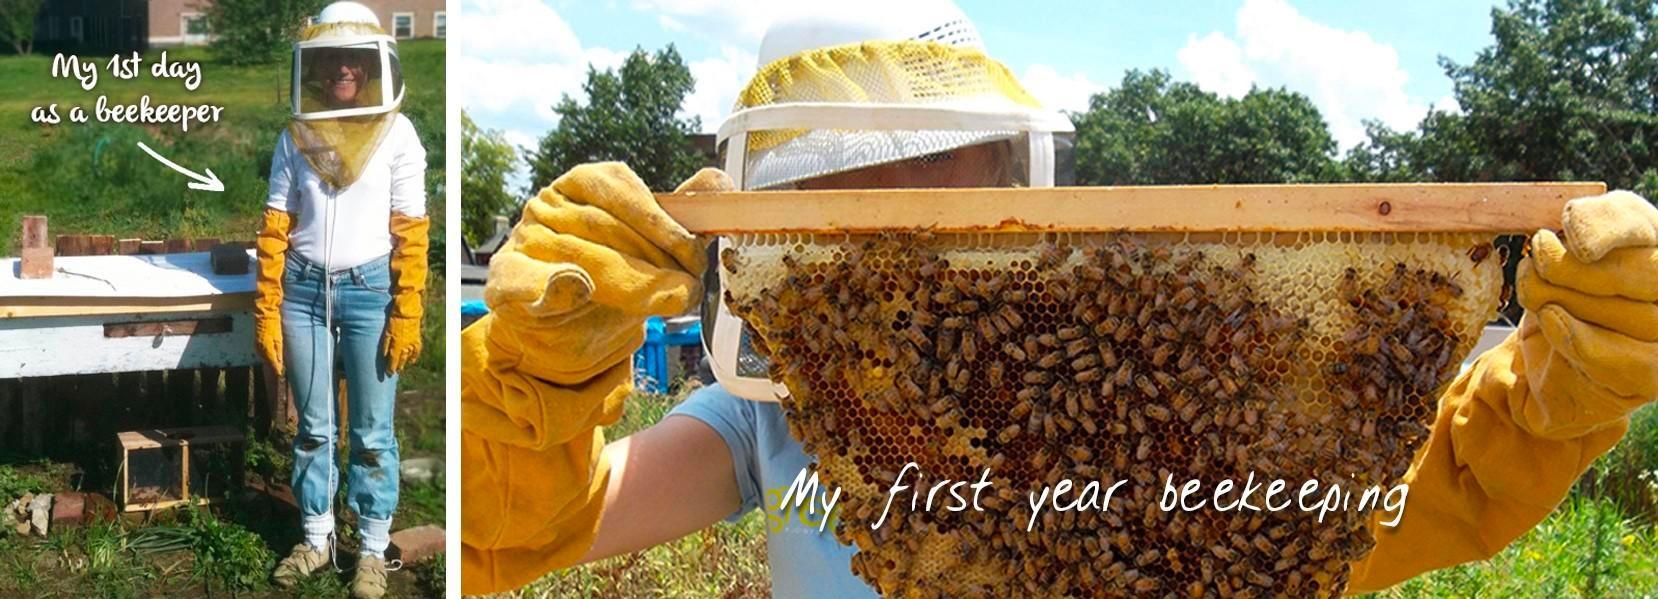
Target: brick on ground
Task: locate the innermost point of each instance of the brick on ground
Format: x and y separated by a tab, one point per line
415	544
68	509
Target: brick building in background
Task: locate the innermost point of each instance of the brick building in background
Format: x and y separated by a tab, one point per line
90	26
184	22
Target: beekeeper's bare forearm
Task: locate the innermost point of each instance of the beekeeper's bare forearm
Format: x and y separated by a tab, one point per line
666	481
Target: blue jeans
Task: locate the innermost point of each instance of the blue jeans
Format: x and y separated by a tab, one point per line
361	303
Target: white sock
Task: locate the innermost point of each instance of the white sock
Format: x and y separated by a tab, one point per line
317	530
376	536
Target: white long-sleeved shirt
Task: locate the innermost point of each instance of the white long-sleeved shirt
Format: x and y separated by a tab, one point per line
394	180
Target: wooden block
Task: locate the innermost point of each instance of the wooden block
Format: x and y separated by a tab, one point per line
72	245
152	247
36	263
128	247
34	232
101	245
178	246
206	244
229	259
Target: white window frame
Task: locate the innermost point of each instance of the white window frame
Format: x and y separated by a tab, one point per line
440	24
184	35
77	28
394	30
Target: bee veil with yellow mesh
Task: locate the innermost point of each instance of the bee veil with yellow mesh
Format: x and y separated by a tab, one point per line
839	92
347	85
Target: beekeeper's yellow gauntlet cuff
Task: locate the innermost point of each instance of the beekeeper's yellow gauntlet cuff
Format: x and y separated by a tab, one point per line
1516	430
569	291
408	290
271	249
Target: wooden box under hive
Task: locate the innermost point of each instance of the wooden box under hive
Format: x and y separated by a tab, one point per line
165	468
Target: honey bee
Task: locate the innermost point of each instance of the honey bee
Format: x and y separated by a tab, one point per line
1146	388
1479	252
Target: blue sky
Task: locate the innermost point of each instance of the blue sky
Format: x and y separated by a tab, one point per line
1355	60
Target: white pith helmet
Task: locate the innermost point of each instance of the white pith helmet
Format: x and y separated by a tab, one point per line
841	88
347	12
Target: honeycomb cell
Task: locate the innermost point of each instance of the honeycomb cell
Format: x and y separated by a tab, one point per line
1309	355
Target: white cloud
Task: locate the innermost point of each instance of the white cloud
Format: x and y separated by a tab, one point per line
1059	92
1216	64
738	23
717	82
1347	74
519	58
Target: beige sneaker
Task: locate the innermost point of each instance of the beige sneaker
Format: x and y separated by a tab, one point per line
370	582
299	564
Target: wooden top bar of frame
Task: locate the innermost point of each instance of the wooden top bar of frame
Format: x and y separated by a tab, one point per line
1429	207
175	437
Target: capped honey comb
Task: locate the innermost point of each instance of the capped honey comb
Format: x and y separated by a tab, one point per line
1107	357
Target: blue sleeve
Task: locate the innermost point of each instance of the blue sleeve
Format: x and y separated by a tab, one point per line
733	418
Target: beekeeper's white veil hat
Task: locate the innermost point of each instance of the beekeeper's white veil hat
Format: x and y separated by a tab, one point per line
345	46
846	85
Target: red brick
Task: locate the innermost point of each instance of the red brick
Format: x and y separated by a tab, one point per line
68	509
415	544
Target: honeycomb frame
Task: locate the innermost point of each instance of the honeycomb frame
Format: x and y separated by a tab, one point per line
1110	356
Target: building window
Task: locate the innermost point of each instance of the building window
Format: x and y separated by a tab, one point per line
440	25
195	25
76	29
402	25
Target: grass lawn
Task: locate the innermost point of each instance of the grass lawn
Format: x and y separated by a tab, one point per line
92	179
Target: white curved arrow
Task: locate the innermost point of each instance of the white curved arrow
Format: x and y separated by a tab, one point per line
210	182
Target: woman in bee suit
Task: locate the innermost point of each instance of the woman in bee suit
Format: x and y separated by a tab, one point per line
342	267
594	256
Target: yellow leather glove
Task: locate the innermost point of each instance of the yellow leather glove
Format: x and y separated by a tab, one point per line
568	293
1516	430
271	248
408	285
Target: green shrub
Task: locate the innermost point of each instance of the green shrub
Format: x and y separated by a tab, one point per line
228	555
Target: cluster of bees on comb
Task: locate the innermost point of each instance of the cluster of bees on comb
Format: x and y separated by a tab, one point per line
1121	358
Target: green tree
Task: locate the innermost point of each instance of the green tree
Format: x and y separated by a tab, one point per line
630	115
1569	91
486	162
257	31
1152	130
17	23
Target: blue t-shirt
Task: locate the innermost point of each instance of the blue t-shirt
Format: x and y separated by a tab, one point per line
804	562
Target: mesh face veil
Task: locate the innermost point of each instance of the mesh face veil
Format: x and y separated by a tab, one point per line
866	102
347	86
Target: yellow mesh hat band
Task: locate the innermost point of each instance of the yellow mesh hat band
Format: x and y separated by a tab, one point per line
903	72
321	30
